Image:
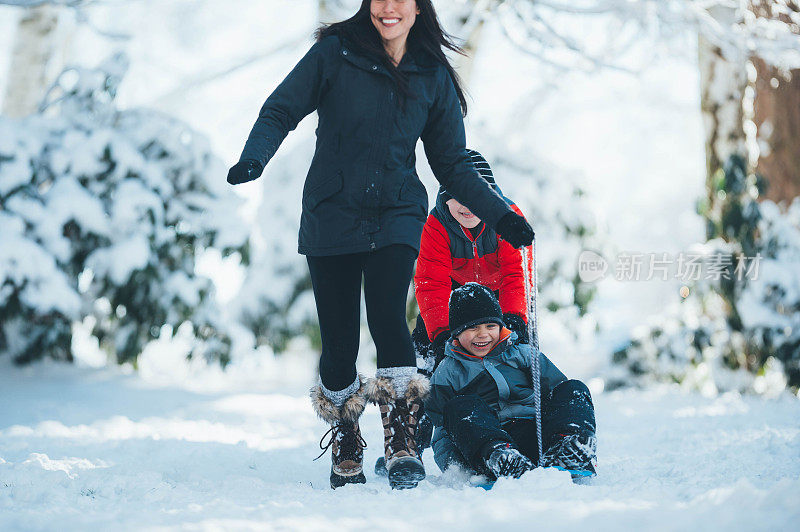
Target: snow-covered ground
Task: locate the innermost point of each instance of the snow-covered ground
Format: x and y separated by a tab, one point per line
100	449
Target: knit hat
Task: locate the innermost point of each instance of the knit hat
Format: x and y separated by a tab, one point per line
482	167
473	304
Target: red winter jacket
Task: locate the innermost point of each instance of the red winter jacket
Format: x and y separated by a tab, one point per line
449	256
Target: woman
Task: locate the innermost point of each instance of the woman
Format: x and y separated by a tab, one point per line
379	81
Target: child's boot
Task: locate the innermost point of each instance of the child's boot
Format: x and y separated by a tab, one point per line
576	453
347	445
400	414
573	446
505	460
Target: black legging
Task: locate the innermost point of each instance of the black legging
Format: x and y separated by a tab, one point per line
337	291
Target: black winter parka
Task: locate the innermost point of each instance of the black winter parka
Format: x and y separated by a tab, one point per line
362	191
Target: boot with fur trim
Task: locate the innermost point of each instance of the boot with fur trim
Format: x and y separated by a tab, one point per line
400	415
347	445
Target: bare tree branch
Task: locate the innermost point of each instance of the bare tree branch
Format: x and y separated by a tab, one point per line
541	28
205	78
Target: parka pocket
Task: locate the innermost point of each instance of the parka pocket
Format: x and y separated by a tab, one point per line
413	189
323	191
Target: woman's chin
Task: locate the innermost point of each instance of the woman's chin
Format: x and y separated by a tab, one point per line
391	34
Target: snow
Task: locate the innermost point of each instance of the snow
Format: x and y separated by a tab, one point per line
85	448
121	259
28	267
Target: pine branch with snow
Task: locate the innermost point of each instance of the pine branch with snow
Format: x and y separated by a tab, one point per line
118	205
739	330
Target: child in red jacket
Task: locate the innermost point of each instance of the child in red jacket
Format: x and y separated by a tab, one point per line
458	248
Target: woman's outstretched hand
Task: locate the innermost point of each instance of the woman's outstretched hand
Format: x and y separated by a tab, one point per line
244	171
515	230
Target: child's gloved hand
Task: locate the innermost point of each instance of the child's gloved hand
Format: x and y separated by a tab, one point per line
244	171
516	323
515	230
438	346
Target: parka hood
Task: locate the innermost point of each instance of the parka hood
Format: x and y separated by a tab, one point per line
485	171
453	349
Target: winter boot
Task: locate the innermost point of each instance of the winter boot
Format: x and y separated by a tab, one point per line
505	460
345	441
400	415
422	438
574	453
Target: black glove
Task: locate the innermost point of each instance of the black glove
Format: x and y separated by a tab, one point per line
244	171
424	432
438	346
518	325
515	230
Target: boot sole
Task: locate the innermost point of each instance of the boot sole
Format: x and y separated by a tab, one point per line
406	473
337	481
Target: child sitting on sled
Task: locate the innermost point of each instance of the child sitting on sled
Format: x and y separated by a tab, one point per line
482	403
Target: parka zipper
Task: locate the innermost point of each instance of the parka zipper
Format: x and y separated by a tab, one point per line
474	248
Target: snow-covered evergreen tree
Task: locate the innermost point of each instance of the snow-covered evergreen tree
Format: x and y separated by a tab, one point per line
739	329
105	212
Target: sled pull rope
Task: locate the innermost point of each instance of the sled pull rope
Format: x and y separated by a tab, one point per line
531	286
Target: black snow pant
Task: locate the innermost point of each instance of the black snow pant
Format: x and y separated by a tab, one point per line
472	425
336	281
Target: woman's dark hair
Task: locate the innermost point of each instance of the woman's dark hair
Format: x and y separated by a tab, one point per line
426	34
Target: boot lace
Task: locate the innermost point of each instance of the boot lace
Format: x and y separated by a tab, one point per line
403	435
349	437
571	452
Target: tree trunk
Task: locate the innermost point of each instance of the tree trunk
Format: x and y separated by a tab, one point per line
464	64
723	81
723	85
33	48
777	119
776	114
